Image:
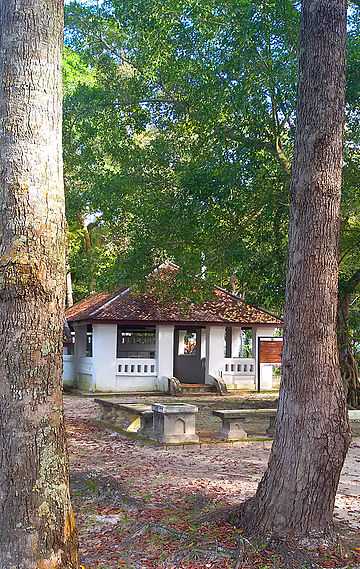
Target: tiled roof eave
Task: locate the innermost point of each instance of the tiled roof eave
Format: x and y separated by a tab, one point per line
125	307
152	321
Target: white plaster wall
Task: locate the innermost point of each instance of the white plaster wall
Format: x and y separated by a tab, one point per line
203	343
165	355
215	336
68	370
266	373
132	383
266	331
246	382
104	357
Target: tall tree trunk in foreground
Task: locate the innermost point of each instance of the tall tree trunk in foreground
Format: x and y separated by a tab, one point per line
297	493
36	519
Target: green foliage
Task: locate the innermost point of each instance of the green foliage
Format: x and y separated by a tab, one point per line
178	132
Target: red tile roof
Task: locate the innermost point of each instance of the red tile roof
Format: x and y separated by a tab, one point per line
87	305
130	307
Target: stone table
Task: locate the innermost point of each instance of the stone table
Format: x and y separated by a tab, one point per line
174	423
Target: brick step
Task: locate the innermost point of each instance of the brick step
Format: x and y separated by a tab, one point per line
197	389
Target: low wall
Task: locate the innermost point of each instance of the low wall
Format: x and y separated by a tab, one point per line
135	383
246	382
84	381
68	370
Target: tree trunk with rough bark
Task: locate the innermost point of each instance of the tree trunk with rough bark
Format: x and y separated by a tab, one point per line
296	496
37	527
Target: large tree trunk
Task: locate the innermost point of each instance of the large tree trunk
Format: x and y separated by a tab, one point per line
36	519
297	493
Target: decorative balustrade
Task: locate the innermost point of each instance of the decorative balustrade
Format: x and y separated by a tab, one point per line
239	366
136	366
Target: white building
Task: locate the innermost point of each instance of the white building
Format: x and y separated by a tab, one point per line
131	342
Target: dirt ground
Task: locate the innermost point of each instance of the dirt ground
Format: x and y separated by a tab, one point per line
142	506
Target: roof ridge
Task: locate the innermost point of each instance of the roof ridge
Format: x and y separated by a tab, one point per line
108	302
163	265
81	304
94	293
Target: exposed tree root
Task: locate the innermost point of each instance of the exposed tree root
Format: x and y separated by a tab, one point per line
290	552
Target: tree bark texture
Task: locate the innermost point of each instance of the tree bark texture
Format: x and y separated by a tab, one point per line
36	520
296	496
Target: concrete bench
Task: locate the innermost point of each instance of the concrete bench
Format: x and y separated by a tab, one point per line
354	415
233	421
131	417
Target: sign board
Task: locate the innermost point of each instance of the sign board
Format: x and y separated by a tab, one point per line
270	351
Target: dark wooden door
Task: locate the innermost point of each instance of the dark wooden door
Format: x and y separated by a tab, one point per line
189	367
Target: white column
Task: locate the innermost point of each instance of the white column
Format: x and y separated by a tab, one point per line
203	343
266	373
235	342
104	357
80	340
164	354
79	349
215	338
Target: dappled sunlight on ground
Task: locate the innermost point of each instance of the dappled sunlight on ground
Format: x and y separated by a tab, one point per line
144	506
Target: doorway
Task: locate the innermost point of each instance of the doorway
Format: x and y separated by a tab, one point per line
189	366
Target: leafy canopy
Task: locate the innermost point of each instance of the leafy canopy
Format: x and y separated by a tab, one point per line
178	134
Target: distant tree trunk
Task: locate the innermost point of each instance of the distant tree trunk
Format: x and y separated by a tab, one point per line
37	528
69	291
89	251
348	364
296	496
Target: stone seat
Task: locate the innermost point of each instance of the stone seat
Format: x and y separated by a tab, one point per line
132	417
354	415
233	421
